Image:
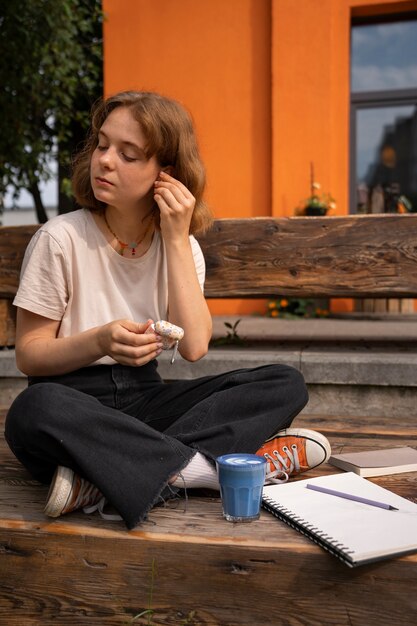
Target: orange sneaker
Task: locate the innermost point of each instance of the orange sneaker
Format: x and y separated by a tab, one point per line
69	492
293	451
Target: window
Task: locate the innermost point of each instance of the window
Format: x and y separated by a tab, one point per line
384	115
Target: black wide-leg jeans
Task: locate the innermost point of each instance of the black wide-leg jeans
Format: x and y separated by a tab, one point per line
127	432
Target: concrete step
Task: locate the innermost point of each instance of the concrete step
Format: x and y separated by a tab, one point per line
320	365
352	367
394	329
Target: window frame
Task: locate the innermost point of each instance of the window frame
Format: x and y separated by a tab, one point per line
360	100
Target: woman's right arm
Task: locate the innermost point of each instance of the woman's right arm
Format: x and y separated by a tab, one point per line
39	352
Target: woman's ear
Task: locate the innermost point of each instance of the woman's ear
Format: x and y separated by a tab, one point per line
168	170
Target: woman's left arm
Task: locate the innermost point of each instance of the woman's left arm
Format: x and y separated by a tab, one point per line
187	305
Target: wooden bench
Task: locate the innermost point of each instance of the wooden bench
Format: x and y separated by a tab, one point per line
365	256
186	565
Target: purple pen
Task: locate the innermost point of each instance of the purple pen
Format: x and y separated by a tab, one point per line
348	496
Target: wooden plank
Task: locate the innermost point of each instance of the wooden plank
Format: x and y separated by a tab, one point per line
367	427
197	566
188	564
356	256
407	305
53	579
7	322
13	242
94	570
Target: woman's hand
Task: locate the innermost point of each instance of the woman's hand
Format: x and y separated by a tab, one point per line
186	303
40	352
176	205
127	343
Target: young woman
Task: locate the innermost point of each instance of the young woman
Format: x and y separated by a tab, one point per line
97	421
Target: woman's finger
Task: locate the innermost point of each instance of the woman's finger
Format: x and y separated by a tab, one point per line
171	192
170	180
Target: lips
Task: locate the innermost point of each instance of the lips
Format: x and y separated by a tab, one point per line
103	182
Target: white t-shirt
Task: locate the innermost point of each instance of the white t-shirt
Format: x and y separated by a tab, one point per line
71	273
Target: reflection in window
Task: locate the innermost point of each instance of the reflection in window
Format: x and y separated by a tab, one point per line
384	56
386	159
384	117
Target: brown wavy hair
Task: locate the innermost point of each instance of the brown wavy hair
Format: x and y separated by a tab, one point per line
170	137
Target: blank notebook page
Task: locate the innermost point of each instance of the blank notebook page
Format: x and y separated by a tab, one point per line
353	531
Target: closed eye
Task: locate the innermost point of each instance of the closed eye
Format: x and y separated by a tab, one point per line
128	158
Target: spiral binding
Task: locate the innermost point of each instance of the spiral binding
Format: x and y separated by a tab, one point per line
310	531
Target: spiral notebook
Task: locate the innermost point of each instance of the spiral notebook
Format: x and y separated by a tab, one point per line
354	532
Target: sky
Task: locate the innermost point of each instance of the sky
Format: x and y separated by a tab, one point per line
384	56
49	193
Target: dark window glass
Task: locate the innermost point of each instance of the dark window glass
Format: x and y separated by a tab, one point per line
384	116
386	159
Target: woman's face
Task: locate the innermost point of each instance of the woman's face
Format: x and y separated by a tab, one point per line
121	175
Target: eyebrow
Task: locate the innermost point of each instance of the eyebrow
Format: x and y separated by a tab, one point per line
128	144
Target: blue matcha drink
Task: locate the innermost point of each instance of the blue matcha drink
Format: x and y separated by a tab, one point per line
241	478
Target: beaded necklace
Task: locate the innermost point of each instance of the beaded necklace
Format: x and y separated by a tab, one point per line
132	245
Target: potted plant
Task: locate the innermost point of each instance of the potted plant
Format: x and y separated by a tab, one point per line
316	204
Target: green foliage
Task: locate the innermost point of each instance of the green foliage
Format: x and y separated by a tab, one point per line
316	203
232	338
50	72
294	308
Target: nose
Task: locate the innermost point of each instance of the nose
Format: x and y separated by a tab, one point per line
106	158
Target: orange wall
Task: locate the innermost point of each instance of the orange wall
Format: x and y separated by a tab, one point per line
214	57
310	100
267	83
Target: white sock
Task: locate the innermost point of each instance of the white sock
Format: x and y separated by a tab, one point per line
198	474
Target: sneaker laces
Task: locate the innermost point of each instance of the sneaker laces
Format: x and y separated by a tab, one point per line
283	466
99	506
83	493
